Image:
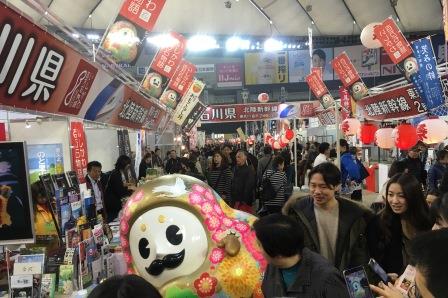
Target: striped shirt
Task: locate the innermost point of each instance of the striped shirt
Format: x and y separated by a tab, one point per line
278	179
223	186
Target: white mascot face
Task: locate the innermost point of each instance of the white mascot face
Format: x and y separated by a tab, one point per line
326	100
358	90
167	242
155	81
410	66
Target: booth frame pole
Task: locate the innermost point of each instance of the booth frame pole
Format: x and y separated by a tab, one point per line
295	152
338	148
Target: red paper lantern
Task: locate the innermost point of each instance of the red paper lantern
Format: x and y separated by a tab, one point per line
289	134
350	126
432	131
367	133
406	136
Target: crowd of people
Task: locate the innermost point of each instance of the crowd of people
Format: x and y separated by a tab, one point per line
317	234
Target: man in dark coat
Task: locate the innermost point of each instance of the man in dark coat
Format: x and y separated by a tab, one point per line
294	271
334	227
93	183
243	183
173	165
414	164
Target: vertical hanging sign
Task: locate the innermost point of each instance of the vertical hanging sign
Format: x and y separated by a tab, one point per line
79	150
349	76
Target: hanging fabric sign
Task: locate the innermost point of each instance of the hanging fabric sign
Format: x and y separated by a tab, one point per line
79	150
348	75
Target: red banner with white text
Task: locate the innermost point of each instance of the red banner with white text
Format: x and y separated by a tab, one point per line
240	112
79	150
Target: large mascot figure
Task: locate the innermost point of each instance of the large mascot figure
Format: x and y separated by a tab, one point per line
178	234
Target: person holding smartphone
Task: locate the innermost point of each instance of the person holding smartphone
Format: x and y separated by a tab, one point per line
406	215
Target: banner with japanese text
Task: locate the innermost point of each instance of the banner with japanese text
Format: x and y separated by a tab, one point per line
365	61
346	103
349	76
79	150
240	112
308	109
188	102
193	117
125	37
266	68
397	47
164	65
229	75
43	74
427	79
300	64
319	90
124	143
179	84
326	117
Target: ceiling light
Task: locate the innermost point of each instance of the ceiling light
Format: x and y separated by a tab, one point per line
312	22
236	43
27	124
199	43
272	45
293	46
354	22
398	20
162	40
270	22
46	12
94	36
90	16
75	35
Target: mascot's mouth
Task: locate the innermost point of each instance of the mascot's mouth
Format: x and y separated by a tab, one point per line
171	261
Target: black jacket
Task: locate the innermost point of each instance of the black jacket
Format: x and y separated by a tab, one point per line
173	166
316	278
243	184
415	167
351	244
114	192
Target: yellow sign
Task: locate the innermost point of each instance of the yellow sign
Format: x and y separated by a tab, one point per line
241	134
266	68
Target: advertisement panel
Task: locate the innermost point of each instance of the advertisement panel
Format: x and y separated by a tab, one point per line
41	73
266	68
44	159
299	64
366	61
229	75
79	150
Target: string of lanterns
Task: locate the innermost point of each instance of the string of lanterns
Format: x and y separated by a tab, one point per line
404	136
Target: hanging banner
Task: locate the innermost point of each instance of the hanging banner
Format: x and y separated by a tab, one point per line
326	117
188	102
317	71
164	65
124	145
319	90
79	150
427	79
125	37
179	84
43	74
194	116
346	103
308	109
365	61
229	75
397	47
266	68
349	76
240	112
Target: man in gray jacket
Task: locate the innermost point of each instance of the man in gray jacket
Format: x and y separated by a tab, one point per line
264	163
294	271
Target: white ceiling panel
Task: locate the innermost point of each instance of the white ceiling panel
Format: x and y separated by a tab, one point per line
420	15
365	12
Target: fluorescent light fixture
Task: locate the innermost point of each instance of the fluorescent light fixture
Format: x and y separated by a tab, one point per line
198	43
272	45
293	46
162	40
235	43
94	36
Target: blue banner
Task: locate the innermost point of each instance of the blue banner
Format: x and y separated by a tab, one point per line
427	81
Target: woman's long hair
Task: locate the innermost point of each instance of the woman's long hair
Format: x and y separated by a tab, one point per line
417	213
122	162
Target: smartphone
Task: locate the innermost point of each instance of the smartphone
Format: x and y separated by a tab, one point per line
379	271
357	283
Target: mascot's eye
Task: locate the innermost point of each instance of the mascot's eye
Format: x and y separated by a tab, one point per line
173	236
143	248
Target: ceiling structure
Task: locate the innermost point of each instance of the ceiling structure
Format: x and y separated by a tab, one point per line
251	17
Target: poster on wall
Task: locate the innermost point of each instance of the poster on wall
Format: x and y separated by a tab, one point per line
16	215
299	64
229	75
44	159
124	144
266	68
366	61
